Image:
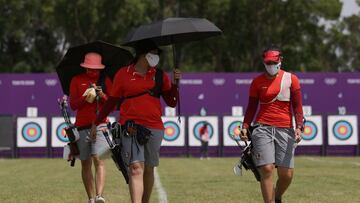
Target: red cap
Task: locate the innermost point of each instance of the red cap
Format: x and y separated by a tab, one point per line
272	55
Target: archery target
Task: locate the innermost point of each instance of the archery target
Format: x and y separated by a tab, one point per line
196	130
31	132
196	122
342	130
231	127
58	135
174	131
310	131
313	133
60	132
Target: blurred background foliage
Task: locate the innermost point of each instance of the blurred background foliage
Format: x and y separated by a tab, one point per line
35	34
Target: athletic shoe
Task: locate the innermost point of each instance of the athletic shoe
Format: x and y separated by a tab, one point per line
91	201
99	199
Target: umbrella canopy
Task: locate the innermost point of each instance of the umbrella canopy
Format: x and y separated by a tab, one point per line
113	58
173	31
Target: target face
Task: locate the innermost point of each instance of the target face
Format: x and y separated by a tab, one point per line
197	127
31	132
234	129
60	132
172	131
342	130
310	131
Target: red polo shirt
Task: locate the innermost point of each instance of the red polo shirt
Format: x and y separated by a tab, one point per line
145	109
277	113
85	112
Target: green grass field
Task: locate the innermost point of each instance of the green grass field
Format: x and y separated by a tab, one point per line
317	179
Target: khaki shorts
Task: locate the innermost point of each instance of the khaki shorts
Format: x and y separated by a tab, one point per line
149	153
272	145
98	148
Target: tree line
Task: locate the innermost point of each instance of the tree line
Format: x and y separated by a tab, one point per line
35	34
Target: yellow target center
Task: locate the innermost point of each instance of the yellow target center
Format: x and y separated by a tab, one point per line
307	130
342	130
31	132
169	131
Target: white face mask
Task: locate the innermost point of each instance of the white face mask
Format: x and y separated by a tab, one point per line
273	69
152	59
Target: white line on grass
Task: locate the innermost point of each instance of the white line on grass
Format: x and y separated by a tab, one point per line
161	192
332	161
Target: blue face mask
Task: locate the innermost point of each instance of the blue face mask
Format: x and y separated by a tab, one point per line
272	69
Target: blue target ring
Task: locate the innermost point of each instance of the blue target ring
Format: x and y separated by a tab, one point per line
310	131
172	131
342	130
198	125
233	129
60	132
31	132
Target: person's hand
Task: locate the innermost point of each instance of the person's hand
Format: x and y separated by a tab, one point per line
244	135
98	90
298	135
177	74
93	133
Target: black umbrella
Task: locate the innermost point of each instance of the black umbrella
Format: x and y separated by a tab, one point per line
113	58
173	31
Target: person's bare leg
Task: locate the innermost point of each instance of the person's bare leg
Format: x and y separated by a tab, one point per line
87	177
136	185
99	175
266	182
148	183
284	180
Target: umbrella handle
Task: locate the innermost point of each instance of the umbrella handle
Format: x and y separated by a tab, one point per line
176	65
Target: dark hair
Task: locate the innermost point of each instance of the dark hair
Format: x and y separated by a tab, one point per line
272	47
143	47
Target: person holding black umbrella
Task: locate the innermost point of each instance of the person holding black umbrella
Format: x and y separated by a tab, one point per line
139	87
278	94
88	94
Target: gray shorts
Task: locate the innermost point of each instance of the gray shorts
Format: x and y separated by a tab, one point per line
273	145
98	148
149	153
